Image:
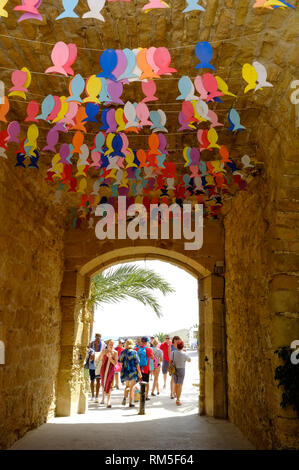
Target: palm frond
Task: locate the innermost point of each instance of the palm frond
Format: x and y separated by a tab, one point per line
128	281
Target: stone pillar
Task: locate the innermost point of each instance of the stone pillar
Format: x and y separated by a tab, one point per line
212	354
71	393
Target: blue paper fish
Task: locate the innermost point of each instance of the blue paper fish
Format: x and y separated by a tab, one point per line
20	160
104	95
77	86
184	87
204	52
108	61
69	6
91	110
193	5
34	160
99	142
131	62
105	124
117	144
46	107
234	120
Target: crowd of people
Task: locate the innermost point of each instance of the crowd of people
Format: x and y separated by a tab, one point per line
135	361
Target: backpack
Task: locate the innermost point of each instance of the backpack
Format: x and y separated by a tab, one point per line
142	356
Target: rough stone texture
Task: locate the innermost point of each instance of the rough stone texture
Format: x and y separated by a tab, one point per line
31	261
261	225
262	273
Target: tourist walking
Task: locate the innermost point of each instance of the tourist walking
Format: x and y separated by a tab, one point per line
130	371
172	348
158	358
165	348
95	346
145	354
117	369
179	359
109	360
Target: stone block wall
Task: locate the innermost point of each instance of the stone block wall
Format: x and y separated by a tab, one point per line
31	268
262	273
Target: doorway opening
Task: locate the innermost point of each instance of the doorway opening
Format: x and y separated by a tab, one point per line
130	319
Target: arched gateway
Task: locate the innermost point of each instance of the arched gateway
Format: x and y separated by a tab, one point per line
85	256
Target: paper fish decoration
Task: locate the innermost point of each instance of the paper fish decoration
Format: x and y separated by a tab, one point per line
155	4
46	107
95	8
162	59
193	5
185	86
261	76
76	86
149	89
115	90
246	161
69	6
204	53
30	7
2	11
19	79
120	65
222	86
13	130
146	69
108	61
91	110
4	108
234	120
250	76
63	56
131	62
142	112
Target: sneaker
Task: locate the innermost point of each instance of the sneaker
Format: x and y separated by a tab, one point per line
93	399
123	402
96	400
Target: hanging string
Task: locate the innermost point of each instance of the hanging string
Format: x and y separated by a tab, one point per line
101	50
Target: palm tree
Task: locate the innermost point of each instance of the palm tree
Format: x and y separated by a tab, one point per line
160	337
128	281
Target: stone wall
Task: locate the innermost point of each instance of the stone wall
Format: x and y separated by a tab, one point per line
31	267
261	250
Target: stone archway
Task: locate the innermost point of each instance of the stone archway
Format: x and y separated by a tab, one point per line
81	265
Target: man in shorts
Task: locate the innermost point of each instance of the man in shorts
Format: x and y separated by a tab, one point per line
145	369
95	346
165	348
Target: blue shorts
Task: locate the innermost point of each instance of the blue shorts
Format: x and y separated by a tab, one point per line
165	365
92	375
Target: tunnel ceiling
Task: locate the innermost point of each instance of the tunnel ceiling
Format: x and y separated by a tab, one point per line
237	32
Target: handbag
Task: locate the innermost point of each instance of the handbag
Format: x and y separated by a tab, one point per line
171	367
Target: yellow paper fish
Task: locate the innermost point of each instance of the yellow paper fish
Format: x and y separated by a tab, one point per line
222	86
119	119
63	110
109	139
2	11
250	76
212	138
93	88
274	3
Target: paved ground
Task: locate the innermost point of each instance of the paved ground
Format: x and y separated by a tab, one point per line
165	425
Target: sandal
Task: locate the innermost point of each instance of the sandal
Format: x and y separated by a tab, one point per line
178	403
153	394
131	405
108	406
